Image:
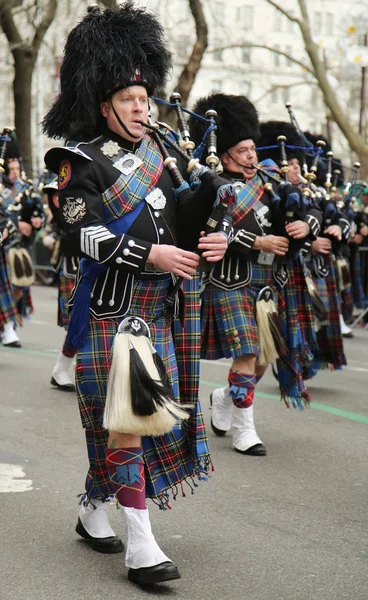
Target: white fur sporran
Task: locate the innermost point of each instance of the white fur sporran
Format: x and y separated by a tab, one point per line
120	414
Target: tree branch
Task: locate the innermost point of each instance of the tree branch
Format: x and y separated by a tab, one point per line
263	46
47	19
283	11
282	86
8	25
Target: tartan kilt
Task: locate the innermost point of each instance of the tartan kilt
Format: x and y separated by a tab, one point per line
8	309
176	456
330	341
66	285
229	325
300	334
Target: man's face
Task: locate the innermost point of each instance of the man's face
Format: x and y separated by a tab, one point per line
131	105
239	159
294	171
13	169
364	198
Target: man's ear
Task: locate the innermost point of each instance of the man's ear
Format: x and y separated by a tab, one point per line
104	108
225	159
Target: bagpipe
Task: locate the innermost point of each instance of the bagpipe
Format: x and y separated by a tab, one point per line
139	396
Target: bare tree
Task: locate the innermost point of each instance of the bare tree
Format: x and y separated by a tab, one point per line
190	71
317	68
355	140
25	53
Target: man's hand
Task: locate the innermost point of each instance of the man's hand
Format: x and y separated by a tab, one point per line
173	259
297	229
322	245
25	228
357	239
214	246
5	234
335	231
272	243
364	230
36	222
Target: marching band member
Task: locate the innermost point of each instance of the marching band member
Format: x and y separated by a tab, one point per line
252	263
120	215
66	266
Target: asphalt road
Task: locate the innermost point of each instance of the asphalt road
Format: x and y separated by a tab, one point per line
288	526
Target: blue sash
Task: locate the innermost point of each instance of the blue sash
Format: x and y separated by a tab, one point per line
90	270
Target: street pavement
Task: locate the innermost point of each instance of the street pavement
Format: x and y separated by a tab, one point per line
288	526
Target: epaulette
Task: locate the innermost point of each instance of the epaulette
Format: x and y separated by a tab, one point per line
55	155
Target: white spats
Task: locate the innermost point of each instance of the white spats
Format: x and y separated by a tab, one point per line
91	238
62	369
95	520
142	549
9	334
222	408
12	479
345	330
244	431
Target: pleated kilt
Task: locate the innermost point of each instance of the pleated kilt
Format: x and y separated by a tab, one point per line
66	285
330	341
297	328
8	309
300	332
229	325
174	457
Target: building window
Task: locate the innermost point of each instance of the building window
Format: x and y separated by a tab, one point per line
216	85
244	88
277	21
274	96
219	12
290	26
246	56
288	50
248	17
183	46
276	56
317	27
286	95
217	56
329	23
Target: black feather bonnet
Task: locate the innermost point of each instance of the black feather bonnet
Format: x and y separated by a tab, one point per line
107	51
237	120
270	131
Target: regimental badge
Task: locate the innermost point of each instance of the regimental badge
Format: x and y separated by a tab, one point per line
128	164
156	199
65	173
74	210
110	149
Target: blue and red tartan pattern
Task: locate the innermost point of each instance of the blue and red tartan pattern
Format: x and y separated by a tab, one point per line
66	285
177	456
241	388
330	350
229	325
8	309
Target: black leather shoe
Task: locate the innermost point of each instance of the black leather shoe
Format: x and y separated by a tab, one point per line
165	571
109	545
67	387
219	432
13	345
257	450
